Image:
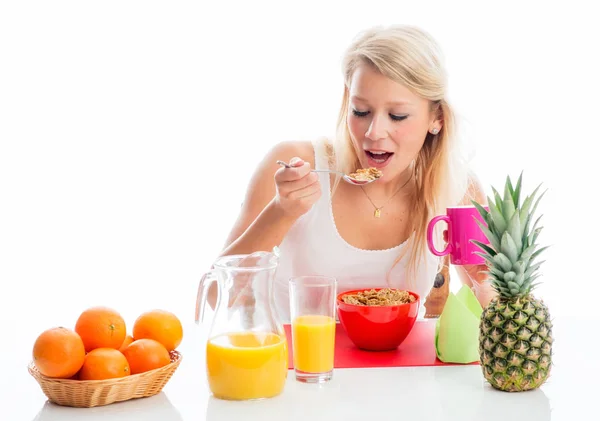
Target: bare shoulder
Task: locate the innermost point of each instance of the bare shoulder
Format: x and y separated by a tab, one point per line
475	191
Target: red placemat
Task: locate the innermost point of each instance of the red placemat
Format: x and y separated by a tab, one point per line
418	349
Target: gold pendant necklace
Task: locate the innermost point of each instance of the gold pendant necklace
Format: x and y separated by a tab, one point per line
377	212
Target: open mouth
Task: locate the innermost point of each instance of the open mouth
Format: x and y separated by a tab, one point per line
377	158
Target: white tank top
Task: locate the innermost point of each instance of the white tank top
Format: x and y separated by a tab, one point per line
313	246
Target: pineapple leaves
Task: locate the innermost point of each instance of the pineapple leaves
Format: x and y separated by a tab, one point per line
485	256
513	286
519	279
500	287
524	212
537	201
497	218
537	221
526	215
490	251
517	191
496	272
508	204
519	267
537	253
529	285
490	236
482	211
535	231
528	252
509	248
512	230
532	269
535	234
508	188
498	198
532	286
502	261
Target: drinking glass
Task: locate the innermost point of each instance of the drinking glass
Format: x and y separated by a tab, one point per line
312	311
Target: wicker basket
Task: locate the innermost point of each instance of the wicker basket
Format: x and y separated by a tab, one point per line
90	393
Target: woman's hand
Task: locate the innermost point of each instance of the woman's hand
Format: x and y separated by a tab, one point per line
476	277
298	189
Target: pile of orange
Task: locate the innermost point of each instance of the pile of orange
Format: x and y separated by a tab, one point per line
99	346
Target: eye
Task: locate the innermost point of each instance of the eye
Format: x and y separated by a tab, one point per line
398	117
360	113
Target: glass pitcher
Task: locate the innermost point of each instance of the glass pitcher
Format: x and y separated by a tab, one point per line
246	351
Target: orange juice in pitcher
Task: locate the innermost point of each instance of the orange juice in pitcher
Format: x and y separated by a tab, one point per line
246	350
246	365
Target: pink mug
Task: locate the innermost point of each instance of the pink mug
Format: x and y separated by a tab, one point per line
462	228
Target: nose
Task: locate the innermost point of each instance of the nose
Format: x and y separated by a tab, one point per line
376	129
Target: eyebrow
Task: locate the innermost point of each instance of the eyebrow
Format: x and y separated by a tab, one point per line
356	97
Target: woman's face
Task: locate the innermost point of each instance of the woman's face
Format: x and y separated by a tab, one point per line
388	123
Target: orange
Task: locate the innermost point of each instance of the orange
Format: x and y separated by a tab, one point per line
58	352
104	363
101	327
160	325
126	342
146	354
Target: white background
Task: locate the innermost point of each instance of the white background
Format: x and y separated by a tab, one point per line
128	132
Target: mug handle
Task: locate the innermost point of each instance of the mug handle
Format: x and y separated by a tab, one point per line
204	284
430	227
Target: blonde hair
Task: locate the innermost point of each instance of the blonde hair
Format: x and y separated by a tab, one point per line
410	56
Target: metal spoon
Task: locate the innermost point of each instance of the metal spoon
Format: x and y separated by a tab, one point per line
346	177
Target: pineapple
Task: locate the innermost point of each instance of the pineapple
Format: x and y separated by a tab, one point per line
515	331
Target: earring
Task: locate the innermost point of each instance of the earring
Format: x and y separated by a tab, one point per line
434	131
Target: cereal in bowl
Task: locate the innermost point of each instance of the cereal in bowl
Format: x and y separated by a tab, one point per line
383	297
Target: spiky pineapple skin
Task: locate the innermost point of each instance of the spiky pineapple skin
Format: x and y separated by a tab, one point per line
515	343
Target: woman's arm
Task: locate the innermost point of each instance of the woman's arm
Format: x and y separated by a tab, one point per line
262	223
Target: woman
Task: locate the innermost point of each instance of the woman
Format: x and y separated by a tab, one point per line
394	117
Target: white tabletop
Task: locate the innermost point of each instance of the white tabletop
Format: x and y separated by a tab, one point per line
415	393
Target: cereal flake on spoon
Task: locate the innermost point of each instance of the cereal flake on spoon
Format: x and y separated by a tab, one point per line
366	174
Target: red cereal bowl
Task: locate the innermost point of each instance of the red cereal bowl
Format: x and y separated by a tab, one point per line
377	328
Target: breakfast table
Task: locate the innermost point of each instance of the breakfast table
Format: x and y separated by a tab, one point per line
446	392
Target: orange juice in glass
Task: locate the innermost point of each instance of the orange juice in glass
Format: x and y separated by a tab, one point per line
312	310
314	340
246	365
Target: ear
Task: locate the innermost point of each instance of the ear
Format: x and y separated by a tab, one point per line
437	118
